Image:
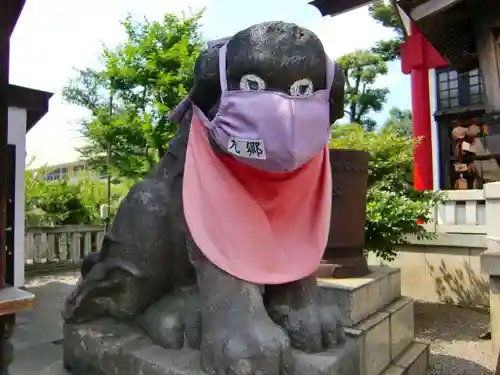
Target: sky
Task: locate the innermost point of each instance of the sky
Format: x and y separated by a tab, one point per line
53	37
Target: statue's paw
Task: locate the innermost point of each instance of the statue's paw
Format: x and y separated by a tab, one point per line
312	328
332	330
163	325
172	319
247	348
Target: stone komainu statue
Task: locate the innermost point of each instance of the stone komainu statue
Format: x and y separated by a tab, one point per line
223	236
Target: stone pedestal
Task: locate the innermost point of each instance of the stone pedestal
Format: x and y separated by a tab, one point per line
490	259
379	326
107	347
380	320
495	312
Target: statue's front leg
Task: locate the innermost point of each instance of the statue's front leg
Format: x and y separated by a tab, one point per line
295	306
238	337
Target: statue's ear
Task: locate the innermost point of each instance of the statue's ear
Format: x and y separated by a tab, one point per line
337	95
206	90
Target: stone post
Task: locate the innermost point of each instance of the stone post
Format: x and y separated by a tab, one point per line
490	259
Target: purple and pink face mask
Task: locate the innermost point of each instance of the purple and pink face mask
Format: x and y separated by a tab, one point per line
270	131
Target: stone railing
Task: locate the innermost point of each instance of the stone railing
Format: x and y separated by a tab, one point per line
60	246
463	211
447	266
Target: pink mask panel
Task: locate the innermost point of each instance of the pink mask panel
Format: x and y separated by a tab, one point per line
260	211
261	227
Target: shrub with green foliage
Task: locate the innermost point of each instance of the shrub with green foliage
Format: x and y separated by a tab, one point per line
61	202
394	207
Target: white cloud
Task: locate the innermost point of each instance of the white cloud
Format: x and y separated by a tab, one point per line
349	31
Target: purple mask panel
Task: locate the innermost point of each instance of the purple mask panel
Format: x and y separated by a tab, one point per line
269	130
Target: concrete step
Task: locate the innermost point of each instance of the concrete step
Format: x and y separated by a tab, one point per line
415	360
383	336
358	298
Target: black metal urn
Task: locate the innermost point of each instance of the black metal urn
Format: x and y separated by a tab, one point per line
343	256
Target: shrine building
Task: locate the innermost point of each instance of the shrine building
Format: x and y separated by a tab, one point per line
20	109
459	137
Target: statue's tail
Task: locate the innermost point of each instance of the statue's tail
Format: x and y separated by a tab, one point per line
95	257
100	293
108	287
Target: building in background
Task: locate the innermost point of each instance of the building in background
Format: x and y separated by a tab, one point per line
70	171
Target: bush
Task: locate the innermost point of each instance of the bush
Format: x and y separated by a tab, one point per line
393	204
62	202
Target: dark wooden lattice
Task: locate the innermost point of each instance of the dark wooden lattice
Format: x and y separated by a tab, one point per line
450	32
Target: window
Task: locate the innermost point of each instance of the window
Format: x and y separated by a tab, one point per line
57	174
54	175
475	87
458	90
448	89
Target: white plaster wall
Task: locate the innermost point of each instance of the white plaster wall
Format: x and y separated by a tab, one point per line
447	269
17	137
434	129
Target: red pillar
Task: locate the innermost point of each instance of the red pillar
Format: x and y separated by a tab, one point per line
417	57
421	129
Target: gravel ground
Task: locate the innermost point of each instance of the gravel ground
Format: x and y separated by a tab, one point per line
453	332
455	344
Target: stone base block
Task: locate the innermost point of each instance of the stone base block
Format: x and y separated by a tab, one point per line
414	361
401	325
377	317
358	298
55	368
107	347
384	335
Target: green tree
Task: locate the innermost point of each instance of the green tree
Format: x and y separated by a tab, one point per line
400	121
393	204
361	69
132	95
385	13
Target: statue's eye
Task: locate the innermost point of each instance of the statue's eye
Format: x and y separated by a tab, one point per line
252	82
302	88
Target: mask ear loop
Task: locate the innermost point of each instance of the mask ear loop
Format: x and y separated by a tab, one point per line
183	107
330	72
222	68
180	110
